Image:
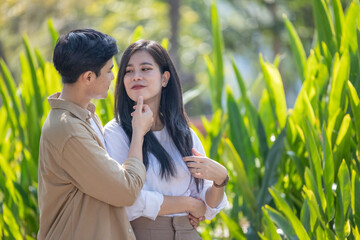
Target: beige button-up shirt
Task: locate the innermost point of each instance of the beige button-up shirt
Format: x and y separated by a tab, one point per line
82	191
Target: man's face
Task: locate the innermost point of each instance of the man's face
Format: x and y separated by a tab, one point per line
101	84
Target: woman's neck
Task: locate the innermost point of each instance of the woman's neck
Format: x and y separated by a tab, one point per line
157	124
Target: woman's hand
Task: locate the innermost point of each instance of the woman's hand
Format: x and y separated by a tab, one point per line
205	168
196	208
142	118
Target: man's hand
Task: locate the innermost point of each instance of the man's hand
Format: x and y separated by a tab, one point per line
142	118
194	221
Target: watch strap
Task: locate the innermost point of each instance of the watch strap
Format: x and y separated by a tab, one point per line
223	184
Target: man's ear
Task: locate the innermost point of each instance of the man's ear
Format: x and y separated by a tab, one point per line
165	78
87	77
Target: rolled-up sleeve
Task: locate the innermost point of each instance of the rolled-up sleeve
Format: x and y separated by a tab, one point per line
93	172
147	205
212	212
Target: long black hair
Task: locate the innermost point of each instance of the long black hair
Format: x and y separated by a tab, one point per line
171	111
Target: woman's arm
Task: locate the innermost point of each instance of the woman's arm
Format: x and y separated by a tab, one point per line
151	204
179	204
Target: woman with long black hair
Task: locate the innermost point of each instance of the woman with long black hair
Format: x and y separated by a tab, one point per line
182	185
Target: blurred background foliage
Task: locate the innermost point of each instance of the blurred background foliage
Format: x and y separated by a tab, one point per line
249	27
284	122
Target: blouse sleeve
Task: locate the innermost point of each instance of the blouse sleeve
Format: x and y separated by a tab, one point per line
146	205
210	212
117	144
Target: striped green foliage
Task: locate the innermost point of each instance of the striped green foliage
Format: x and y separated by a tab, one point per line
301	164
294	173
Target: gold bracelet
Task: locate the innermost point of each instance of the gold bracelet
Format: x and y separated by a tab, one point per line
223	184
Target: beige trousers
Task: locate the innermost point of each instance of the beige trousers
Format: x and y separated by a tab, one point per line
164	228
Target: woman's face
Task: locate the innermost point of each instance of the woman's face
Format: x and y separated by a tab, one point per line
143	78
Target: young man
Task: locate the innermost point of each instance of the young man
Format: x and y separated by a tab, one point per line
82	191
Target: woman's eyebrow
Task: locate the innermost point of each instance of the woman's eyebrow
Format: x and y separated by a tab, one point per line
143	63
146	63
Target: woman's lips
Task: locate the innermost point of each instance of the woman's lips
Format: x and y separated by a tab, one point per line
137	87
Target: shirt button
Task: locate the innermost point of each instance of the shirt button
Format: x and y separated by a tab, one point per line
130	230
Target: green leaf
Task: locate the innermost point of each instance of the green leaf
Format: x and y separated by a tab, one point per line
324	25
349	39
302	108
266	116
339	19
328	174
305	216
314	199
7	104
242	179
355	108
31	60
40	59
297	48
137	34
343	140
340	77
355	196
289	214
11	223
312	143
343	200
53	33
217	56
271	165
282	223
234	229
276	91
239	79
239	135
193	93
211	74
270	229
165	43
11	88
13	106
327	55
256	129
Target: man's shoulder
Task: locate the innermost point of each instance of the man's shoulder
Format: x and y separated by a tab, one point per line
60	125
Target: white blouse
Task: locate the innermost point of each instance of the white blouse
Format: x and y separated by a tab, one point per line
155	188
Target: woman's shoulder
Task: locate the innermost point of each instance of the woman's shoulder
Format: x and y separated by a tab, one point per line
194	135
196	141
114	127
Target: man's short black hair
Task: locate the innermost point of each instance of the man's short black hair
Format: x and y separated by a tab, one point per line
82	50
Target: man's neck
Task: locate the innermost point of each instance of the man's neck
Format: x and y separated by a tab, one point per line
72	93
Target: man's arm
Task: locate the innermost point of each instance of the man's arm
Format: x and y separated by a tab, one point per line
93	172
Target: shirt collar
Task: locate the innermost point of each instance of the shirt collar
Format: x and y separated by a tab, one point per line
83	114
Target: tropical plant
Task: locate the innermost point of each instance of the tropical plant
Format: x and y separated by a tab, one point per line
294	172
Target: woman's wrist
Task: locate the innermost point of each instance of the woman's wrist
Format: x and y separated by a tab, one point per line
221	181
188	203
